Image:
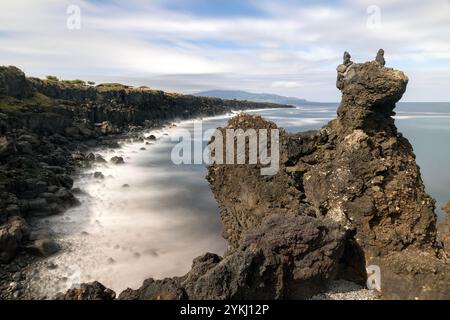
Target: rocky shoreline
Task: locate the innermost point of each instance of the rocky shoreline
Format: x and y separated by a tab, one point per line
348	204
47	132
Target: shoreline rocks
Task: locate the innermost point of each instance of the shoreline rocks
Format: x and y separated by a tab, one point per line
12	234
117	160
91	291
285	257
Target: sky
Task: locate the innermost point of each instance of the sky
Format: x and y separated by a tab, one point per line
285	47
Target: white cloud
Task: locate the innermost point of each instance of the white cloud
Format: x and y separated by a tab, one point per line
286	84
293	49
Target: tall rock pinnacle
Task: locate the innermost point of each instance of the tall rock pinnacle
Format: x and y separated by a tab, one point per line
357	171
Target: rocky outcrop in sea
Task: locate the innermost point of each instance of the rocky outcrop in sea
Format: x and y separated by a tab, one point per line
347	204
357	171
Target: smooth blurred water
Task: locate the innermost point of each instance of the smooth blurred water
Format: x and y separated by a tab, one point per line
168	216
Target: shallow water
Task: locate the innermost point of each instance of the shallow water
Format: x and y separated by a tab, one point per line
168	216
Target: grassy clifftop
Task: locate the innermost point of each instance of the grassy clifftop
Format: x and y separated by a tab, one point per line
16	91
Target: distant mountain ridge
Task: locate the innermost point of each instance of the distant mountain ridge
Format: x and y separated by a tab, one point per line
255	97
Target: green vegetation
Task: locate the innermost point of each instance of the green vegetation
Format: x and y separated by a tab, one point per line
116	86
9	104
13	104
52	78
76	82
40	100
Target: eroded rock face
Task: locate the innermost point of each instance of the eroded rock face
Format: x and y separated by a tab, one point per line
369	94
358	171
13	83
244	196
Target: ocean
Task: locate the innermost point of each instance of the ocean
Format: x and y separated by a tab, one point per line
168	216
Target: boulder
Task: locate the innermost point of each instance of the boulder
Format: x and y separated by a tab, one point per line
99	159
166	289
65	181
7	147
90	157
106	127
99	175
43	247
117	160
285	257
88	291
200	266
12	234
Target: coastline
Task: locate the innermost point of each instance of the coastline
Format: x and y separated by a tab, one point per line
50	129
133	143
342	290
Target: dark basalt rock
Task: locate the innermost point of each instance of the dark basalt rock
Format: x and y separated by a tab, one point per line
166	289
99	175
380	57
13	83
42	247
285	257
117	160
88	291
12	236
